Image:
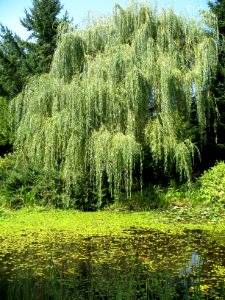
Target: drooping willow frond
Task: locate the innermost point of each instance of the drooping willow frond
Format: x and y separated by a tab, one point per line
118	84
113	154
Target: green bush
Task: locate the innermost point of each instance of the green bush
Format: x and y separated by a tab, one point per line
4	127
211	185
25	186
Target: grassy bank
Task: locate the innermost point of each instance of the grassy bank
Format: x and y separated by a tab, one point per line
111	222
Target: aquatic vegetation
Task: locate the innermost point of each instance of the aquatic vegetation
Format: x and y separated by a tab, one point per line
124	255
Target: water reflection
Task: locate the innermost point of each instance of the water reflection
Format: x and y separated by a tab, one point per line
195	262
146	264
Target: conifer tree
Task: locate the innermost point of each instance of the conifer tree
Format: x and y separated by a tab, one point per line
14	66
42	21
21	59
216	144
4	127
14	69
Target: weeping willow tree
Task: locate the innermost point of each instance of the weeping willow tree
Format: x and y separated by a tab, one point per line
120	84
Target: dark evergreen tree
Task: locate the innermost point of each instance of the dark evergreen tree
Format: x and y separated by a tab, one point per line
4	128
42	22
215	149
14	66
20	59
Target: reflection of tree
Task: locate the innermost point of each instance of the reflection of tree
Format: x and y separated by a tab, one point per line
195	262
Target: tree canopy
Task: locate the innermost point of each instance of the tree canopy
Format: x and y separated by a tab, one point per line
120	85
42	21
21	59
14	65
218	84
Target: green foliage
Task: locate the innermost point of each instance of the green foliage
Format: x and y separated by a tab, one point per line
4	126
14	67
216	138
114	155
117	86
211	186
30	187
42	22
21	59
170	142
25	186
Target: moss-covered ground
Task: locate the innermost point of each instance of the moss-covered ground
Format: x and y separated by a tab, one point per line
109	222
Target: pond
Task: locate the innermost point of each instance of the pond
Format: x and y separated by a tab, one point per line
139	264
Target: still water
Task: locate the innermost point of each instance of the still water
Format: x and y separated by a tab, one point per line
141	264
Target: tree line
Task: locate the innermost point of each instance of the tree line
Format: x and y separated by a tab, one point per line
107	109
20	59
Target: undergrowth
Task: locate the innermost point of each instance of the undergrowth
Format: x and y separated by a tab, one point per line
28	187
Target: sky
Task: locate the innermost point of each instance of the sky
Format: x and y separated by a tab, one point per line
11	11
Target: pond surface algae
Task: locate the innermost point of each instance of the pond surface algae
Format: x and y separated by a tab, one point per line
56	254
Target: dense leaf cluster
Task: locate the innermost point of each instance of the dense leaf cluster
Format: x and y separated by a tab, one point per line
120	85
125	96
215	147
20	59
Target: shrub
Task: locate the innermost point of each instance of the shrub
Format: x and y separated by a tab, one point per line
25	186
211	185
